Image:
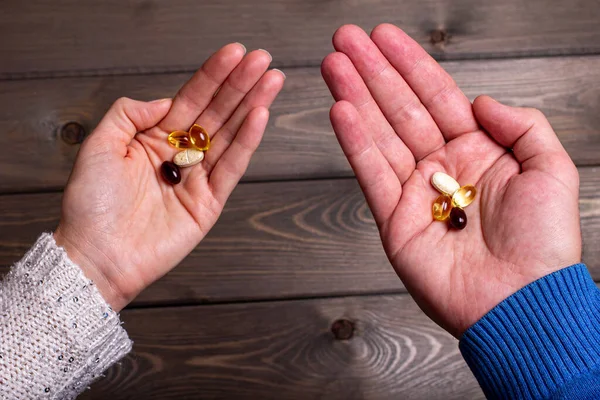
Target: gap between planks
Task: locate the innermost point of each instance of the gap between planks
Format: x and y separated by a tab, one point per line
190	69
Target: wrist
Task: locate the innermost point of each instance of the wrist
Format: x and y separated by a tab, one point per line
538	339
82	253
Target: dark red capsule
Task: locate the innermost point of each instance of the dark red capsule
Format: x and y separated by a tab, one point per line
458	218
170	172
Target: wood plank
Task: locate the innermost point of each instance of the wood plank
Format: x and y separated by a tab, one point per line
277	350
589	209
84	37
275	240
299	142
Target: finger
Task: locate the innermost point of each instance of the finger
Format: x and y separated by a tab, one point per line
345	83
232	92
125	118
401	107
262	95
528	133
446	103
376	177
233	164
195	95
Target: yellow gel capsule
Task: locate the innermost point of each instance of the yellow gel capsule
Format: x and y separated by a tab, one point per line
464	196
180	140
199	138
442	207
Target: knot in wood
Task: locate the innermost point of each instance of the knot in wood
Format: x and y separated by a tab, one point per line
342	329
72	133
439	37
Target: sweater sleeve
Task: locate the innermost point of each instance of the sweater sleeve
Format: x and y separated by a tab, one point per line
57	334
543	342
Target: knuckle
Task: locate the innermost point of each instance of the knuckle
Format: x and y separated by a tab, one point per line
442	96
189	97
537	115
408	112
571	168
122	100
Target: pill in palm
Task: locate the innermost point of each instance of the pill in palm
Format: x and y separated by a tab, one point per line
180	140
188	157
450	205
442	207
444	183
464	196
170	172
458	218
199	137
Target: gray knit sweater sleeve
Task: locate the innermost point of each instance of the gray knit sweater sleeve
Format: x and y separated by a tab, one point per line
57	334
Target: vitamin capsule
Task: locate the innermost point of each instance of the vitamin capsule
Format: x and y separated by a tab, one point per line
188	157
180	140
199	137
458	218
464	196
441	208
170	172
444	183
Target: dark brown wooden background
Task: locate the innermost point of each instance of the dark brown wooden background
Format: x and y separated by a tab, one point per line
249	313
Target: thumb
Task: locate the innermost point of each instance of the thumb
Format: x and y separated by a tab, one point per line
528	133
126	117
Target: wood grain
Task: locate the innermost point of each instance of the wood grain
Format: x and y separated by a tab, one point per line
589	209
299	142
275	240
74	37
276	350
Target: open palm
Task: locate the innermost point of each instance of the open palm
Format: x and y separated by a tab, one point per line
121	222
399	118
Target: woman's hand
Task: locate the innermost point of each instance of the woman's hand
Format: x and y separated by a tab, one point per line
399	118
121	222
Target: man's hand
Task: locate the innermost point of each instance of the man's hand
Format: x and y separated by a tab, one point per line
399	118
121	222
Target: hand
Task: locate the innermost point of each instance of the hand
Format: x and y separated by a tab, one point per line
121	222
399	118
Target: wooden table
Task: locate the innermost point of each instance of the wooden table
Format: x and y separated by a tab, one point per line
290	295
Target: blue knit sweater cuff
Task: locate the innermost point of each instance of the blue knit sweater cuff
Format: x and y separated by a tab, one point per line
538	339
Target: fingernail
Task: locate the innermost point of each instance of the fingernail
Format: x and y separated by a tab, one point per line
161	100
269	54
243	47
282	73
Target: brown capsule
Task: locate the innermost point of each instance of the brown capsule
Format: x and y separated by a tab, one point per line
180	140
458	218
199	137
170	172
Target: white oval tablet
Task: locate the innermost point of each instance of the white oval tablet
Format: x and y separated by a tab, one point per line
188	157
444	183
